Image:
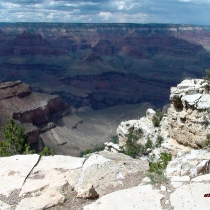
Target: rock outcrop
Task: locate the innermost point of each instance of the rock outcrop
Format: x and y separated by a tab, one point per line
116	180
49	121
46	181
144	127
186	122
30	181
32	109
188	116
189	194
190	163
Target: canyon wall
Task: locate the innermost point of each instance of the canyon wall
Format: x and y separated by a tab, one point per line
34	110
103	65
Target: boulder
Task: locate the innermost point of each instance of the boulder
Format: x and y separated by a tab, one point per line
140	197
43	201
53	172
105	169
88	192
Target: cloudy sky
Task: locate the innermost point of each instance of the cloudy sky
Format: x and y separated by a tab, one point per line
106	11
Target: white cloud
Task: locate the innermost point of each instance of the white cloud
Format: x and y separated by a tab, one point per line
196	1
136	11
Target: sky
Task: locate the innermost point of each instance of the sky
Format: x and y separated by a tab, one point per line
106	11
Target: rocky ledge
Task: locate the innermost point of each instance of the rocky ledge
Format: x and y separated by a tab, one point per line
33	182
34	110
42	182
187	121
116	180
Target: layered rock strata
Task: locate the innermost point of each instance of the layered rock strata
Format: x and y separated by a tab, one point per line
32	109
188	116
103	65
187	121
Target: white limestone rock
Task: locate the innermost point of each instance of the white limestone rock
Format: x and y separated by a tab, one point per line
45	200
146	180
53	172
88	192
4	206
14	171
140	197
177	184
111	147
150	114
188	117
192	164
144	125
180	179
191	196
59	162
105	168
202	178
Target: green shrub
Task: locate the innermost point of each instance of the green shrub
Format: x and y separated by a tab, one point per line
156	178
15	140
155	121
88	151
159	141
115	140
207	142
47	152
135	150
134	135
161	165
149	144
207	77
157	118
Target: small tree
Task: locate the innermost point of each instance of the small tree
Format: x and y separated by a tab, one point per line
207	142
15	140
207	77
157	118
159	141
47	152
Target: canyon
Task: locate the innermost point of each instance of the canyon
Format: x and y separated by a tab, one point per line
48	121
103	65
112	180
75	86
79	81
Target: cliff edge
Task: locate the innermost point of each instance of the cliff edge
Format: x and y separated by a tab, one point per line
33	110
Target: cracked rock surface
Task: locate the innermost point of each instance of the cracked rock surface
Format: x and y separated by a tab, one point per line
45	182
56	182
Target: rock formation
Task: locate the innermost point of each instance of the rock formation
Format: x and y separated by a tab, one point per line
42	182
116	180
103	65
187	120
30	181
48	119
32	109
189	113
145	124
